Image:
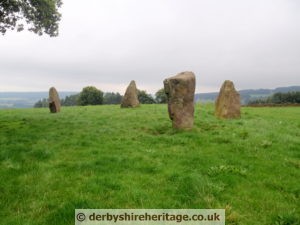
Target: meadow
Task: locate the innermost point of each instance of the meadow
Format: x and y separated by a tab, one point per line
107	157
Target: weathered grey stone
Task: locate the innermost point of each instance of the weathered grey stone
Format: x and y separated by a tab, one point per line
130	98
228	105
180	91
54	101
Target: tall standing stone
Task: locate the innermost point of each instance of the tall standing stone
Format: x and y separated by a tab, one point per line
54	101
228	104
130	98
180	91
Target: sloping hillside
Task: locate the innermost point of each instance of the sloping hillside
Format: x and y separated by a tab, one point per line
25	99
248	94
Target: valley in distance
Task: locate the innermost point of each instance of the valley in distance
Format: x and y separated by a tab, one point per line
28	99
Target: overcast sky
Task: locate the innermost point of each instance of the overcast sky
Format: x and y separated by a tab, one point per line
108	43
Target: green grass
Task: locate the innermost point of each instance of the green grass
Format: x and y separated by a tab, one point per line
107	157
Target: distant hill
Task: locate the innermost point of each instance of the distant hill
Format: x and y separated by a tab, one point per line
28	99
25	99
246	95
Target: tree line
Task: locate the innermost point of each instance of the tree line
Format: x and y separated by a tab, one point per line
92	96
278	98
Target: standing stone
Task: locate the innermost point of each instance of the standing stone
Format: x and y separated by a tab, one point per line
228	105
180	91
130	98
54	101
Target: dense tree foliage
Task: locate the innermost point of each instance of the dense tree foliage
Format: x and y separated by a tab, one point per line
74	100
145	98
41	16
71	100
41	103
112	98
160	96
279	98
90	96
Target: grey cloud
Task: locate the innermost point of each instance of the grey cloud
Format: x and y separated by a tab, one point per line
254	43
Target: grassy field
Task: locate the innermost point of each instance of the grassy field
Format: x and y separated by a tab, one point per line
107	157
